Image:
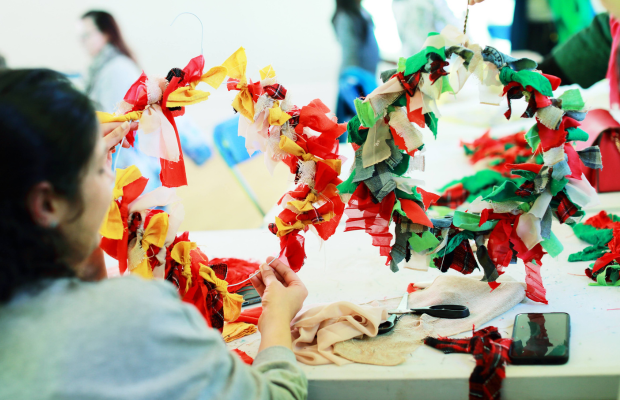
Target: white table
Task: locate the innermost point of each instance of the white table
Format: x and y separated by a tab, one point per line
348	267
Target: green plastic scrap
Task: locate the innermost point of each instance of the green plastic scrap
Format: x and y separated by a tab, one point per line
572	100
469	222
425	242
532	138
526	78
576	134
552	245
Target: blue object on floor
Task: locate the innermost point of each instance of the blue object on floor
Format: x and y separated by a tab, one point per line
231	147
354	82
499	31
193	143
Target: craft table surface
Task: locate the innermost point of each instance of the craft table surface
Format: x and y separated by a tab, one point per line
348	267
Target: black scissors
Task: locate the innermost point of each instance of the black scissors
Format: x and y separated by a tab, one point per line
440	311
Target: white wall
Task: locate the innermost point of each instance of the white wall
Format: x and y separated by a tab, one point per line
296	37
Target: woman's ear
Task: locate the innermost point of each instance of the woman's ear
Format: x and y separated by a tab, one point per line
45	206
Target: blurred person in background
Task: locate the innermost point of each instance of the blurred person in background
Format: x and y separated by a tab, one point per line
416	18
64	334
2	63
113	68
539	25
360	56
112	72
355	33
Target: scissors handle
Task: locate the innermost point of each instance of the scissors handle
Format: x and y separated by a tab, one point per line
443	311
388	325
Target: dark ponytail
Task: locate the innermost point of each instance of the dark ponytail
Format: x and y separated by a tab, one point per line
48	132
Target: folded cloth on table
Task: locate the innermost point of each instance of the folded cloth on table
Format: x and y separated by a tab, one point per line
237	330
484	304
250	316
315	331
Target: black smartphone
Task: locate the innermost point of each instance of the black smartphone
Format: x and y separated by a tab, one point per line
540	338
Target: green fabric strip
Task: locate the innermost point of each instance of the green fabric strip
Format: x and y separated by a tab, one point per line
552	245
417	61
557	186
572	100
589	234
365	113
576	134
425	242
431	121
408	196
348	186
590	253
526	78
469	222
455	242
403	166
532	138
355	135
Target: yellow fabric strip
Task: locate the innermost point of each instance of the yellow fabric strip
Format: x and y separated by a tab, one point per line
277	116
155	233
284	229
143	269
112	226
123	178
107	117
231	301
267	72
180	253
237	330
185	96
236	64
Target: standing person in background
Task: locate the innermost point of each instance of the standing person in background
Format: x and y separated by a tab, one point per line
360	56
416	18
355	33
113	69
539	25
2	62
111	73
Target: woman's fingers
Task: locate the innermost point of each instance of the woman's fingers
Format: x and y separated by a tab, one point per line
114	132
285	272
116	135
258	285
472	2
267	274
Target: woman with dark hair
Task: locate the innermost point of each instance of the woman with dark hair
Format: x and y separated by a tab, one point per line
65	336
355	32
113	68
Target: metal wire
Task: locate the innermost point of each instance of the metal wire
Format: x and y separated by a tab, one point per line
202	29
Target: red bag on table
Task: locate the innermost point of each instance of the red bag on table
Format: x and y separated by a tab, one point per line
604	132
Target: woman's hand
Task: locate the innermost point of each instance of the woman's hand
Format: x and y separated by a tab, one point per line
283	295
472	2
114	133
